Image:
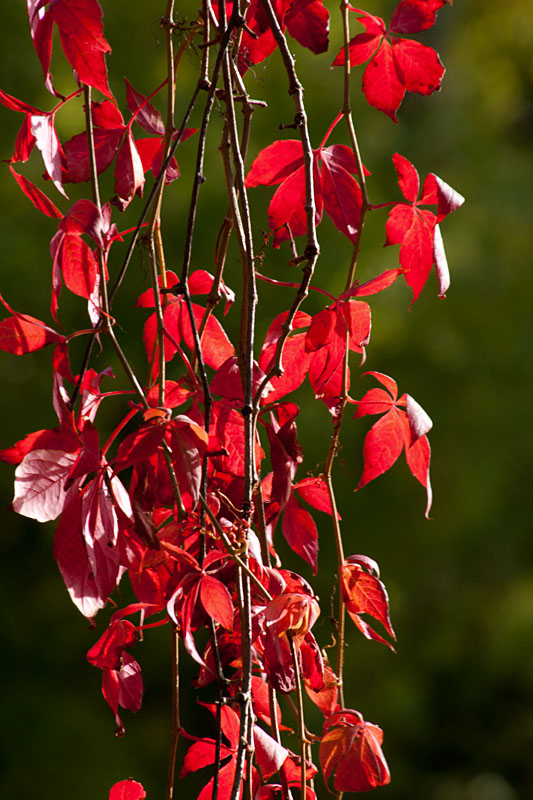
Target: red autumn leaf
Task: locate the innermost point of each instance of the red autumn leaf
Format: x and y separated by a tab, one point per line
79	23
100	530
346	322
85	217
202	753
40	484
146	115
52	439
269	754
43	130
87	591
415	228
364	593
374	285
20	334
261	703
123	687
127	790
396	65
106	144
285	455
129	172
24	143
341	192
315	492
336	191
395	431
216	600
326	697
306	20
216	346
411	16
350	749
38	198
300	531
74	260
139	446
14	104
293	613
107	652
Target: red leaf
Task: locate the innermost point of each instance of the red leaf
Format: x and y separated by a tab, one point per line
146	115
52	439
42	128
269	754
412	16
201	754
350	748
301	533
293	613
287	207
275	163
419	422
41	25
100	530
396	65
375	285
315	492
82	39
365	594
127	790
138	446
342	197
129	173
383	86
216	601
420	66
383	444
38	198
408	179
447	198
294	362
106	144
14	104
308	22
396	430
107	652
188	444
78	265
418	457
85	589
325	698
441	262
40	484
106	115
20	334
24	142
130	684
216	345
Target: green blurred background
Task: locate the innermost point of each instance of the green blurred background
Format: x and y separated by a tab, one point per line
456	701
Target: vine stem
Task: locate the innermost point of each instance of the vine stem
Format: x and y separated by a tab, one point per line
312	249
176	724
334	443
301	720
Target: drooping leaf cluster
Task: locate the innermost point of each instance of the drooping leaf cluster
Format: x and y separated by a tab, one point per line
194	492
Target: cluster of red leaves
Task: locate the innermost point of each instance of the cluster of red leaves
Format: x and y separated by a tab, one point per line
395	65
116	502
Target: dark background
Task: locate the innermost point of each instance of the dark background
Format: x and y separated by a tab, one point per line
456	701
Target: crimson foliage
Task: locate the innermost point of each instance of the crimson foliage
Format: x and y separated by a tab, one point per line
186	494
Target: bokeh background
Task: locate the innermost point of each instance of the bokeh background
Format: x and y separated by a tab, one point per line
456	701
